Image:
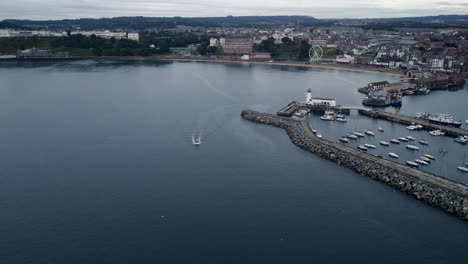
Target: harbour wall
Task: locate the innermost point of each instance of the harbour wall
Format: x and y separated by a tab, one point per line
439	192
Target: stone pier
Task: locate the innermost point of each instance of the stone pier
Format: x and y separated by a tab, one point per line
439	192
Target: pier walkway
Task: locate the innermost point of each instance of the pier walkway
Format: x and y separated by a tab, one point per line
408	120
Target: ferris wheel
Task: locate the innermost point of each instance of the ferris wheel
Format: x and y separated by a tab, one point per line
315	53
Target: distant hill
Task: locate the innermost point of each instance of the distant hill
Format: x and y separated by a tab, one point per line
442	19
139	23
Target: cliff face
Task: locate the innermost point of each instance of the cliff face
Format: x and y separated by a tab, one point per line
452	197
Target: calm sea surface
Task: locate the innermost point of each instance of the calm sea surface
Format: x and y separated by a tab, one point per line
97	166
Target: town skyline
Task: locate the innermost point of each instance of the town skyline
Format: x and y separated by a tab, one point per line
333	9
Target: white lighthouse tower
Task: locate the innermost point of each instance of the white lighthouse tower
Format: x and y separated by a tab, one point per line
308	96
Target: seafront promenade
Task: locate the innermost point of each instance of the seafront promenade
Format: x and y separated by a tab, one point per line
439	192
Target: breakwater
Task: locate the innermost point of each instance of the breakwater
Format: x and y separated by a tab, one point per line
408	120
439	192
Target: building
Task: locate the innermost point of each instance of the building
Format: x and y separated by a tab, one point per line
213	42
238	44
378	85
325	102
35	53
133	36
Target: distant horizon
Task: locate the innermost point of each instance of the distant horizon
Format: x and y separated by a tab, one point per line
328	18
335	9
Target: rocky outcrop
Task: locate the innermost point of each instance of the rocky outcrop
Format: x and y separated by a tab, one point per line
452	197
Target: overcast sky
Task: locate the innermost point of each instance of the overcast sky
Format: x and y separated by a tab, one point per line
60	9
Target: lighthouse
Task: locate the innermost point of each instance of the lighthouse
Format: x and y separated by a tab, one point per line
308	96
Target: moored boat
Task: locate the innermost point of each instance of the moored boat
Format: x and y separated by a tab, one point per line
393	155
352	136
436	132
462	140
403	139
425	159
340	119
423	142
319	135
384	143
412	147
394	141
465	169
410	138
381	129
412	163
369	146
421	162
359	134
429	156
361	147
440	119
344	139
369	132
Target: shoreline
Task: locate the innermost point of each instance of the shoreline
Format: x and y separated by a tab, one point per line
227	61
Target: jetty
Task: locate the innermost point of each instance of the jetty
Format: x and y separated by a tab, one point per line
408	120
439	192
292	107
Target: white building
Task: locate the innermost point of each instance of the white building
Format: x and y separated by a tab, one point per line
319	101
438	62
133	36
213	42
4	33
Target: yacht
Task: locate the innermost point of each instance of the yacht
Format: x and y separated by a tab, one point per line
352	136
462	140
344	139
429	156
369	132
412	147
314	131
359	134
437	132
394	141
423	142
341	119
361	147
425	159
393	155
319	135
384	143
440	119
196	140
410	138
411	127
381	129
403	139
328	116
369	146
421	162
465	169
412	163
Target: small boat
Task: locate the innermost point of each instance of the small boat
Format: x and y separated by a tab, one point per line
423	142
344	139
410	138
393	155
328	116
394	141
361	147
466	122
369	132
314	131
429	156
403	139
419	127
369	146
381	129
465	169
425	159
412	147
384	143
352	136
421	162
340	116
339	119
319	135
196	140
359	134
412	163
462	140
437	132
411	127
